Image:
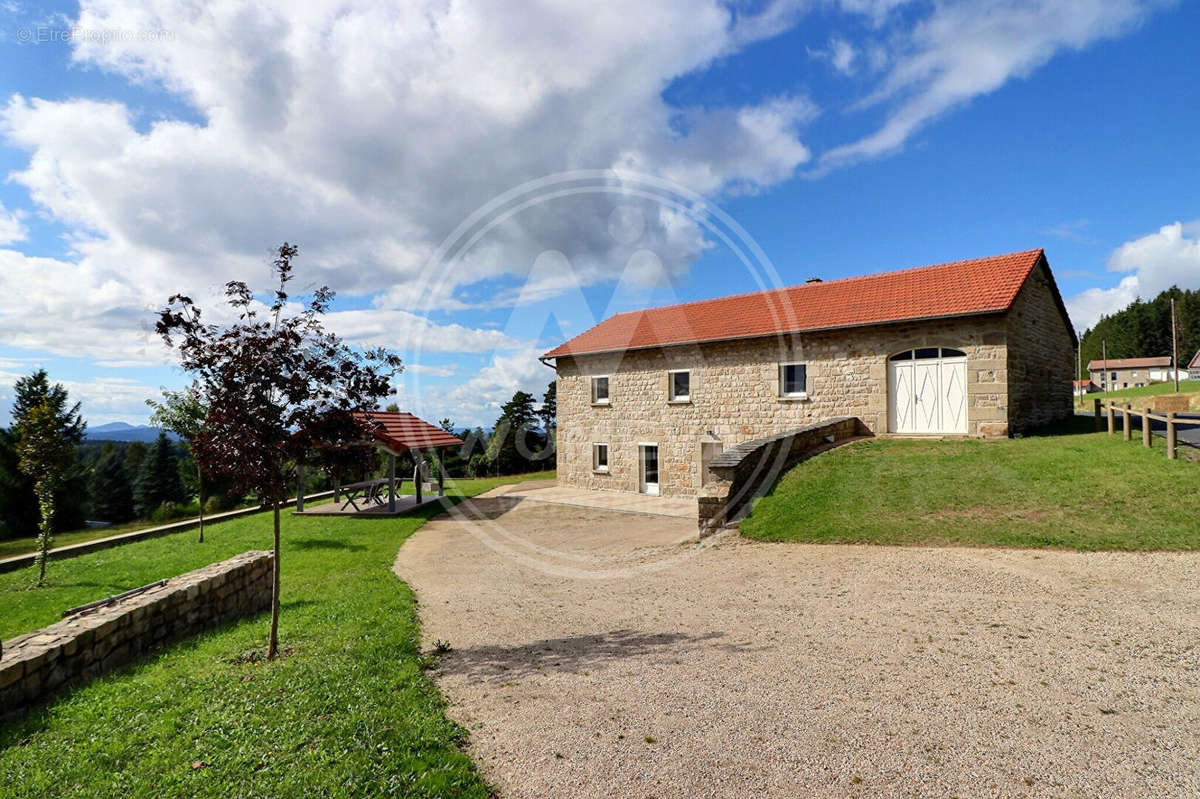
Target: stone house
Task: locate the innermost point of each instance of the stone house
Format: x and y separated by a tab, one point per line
1117	373
978	348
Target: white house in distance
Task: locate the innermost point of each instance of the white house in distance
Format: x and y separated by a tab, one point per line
1117	373
646	399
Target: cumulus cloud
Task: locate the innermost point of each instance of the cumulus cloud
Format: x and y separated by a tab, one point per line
1150	264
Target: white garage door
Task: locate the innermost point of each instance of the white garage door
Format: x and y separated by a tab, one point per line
927	391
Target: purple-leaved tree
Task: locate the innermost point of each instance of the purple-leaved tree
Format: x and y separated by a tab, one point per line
278	386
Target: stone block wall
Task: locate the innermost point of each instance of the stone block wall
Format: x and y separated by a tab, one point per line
735	395
751	469
94	641
1041	356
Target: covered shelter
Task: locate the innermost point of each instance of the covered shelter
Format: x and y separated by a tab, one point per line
395	433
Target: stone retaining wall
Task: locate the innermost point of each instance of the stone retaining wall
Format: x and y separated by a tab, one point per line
749	470
35	665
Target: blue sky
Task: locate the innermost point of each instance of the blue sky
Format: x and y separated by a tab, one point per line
149	150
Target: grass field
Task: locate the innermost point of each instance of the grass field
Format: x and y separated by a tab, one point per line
347	712
1085	491
1185	387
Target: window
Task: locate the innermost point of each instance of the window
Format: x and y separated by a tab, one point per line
600	391
680	386
1114	375
793	380
599	457
927	352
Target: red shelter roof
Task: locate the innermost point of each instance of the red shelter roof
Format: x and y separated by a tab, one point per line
400	431
961	288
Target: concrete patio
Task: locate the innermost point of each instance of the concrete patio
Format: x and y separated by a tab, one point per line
620	501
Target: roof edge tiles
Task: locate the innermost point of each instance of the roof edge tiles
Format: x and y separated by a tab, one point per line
958	288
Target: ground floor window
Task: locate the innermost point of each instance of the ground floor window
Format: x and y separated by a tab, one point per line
599	457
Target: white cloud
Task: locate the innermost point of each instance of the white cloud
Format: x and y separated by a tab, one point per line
840	53
12	229
1150	264
447	370
965	49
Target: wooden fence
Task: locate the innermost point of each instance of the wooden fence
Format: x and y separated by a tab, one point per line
1109	411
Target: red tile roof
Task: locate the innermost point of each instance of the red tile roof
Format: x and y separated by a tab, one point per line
961	288
1129	363
1081	383
401	432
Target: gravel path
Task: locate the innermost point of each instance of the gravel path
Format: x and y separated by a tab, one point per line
738	668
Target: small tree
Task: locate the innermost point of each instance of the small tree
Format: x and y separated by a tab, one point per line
46	452
112	496
158	481
276	384
184	412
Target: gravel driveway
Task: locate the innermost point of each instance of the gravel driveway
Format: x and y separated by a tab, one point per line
736	668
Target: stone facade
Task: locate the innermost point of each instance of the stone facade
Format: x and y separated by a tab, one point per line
735	397
1041	356
97	640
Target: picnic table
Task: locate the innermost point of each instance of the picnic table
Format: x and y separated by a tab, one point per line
367	491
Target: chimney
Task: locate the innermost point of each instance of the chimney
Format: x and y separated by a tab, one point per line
814	280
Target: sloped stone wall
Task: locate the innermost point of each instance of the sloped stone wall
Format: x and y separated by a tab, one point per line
35	665
752	468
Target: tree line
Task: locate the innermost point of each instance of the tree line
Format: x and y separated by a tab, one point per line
1143	329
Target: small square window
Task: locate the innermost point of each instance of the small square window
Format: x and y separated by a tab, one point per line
680	386
600	391
599	457
793	380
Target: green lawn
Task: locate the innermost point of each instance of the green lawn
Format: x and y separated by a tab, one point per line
1084	491
1153	389
347	712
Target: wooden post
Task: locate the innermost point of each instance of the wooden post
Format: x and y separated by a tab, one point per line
1112	422
1174	348
441	473
417	473
391	482
1171	454
1099	422
337	481
1126	433
300	488
1146	427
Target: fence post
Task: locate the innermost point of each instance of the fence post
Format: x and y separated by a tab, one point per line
1112	423
1126	433
1171	454
1099	423
1146	427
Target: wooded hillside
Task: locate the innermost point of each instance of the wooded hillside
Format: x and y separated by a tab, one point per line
1144	329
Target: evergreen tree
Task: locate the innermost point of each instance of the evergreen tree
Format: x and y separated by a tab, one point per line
45	452
158	479
517	445
549	417
111	494
18	505
20	513
34	391
135	453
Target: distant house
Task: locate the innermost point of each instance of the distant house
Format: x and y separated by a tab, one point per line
1083	387
1118	373
1193	370
647	398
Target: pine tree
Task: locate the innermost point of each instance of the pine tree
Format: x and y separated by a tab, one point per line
70	485
109	489
158	479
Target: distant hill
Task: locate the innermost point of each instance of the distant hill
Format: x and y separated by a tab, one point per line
120	431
